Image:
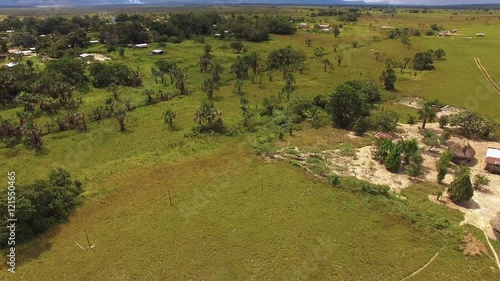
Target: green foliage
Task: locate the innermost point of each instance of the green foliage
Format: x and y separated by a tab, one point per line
349	102
423	61
460	189
431	138
480	181
41	205
414	167
442	165
168	118
334	180
411	119
389	77
105	74
473	124
209	118
386	120
393	160
360	126
375	189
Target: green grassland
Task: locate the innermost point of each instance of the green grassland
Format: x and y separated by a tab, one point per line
235	215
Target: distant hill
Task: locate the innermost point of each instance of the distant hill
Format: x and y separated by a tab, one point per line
34	3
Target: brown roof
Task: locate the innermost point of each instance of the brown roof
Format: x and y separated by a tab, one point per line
462	151
382	135
495	223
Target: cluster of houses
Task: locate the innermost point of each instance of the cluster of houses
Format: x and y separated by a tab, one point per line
447	33
323	27
463	154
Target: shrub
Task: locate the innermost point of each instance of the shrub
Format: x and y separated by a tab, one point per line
460	188
411	119
334	180
360	126
480	181
393	160
375	189
386	120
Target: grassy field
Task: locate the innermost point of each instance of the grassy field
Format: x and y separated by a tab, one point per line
236	216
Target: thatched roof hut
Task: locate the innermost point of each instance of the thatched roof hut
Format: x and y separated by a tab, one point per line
495	223
461	153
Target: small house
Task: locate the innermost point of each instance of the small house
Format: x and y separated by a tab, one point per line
382	135
462	154
303	25
11	64
158	52
87	57
480	34
93	42
493	160
27	53
141	46
33	49
3	57
324	26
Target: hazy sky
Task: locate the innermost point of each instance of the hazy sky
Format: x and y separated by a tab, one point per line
435	2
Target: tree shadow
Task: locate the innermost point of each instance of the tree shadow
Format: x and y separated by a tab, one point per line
471	204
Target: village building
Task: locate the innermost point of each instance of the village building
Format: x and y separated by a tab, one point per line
462	154
94	41
158	52
87	57
11	64
3	57
303	25
382	135
480	34
141	46
493	160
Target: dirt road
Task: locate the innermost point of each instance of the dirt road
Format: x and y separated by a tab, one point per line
486	75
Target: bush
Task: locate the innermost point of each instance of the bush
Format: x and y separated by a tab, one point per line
375	189
360	126
42	205
411	119
442	165
473	124
480	181
386	120
460	188
393	160
334	180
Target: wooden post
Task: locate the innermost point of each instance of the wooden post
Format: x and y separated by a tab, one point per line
169	197
88	240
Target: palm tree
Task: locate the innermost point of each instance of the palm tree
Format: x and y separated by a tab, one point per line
309	42
238	84
169	117
216	71
208	86
120	115
327	63
427	113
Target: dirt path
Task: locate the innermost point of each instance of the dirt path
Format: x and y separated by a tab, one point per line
424	266
486	75
492	249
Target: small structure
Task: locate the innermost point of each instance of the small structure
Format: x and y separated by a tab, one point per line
495	224
93	41
493	160
11	64
141	46
480	34
382	135
158	52
468	38
462	154
217	35
3	57
27	53
87	57
324	26
33	49
303	25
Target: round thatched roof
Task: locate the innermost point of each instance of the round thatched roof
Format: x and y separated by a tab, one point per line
495	223
462	151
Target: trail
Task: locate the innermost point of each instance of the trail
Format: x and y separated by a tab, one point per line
486	75
424	266
493	250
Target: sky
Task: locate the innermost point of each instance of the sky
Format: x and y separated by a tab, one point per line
435	2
